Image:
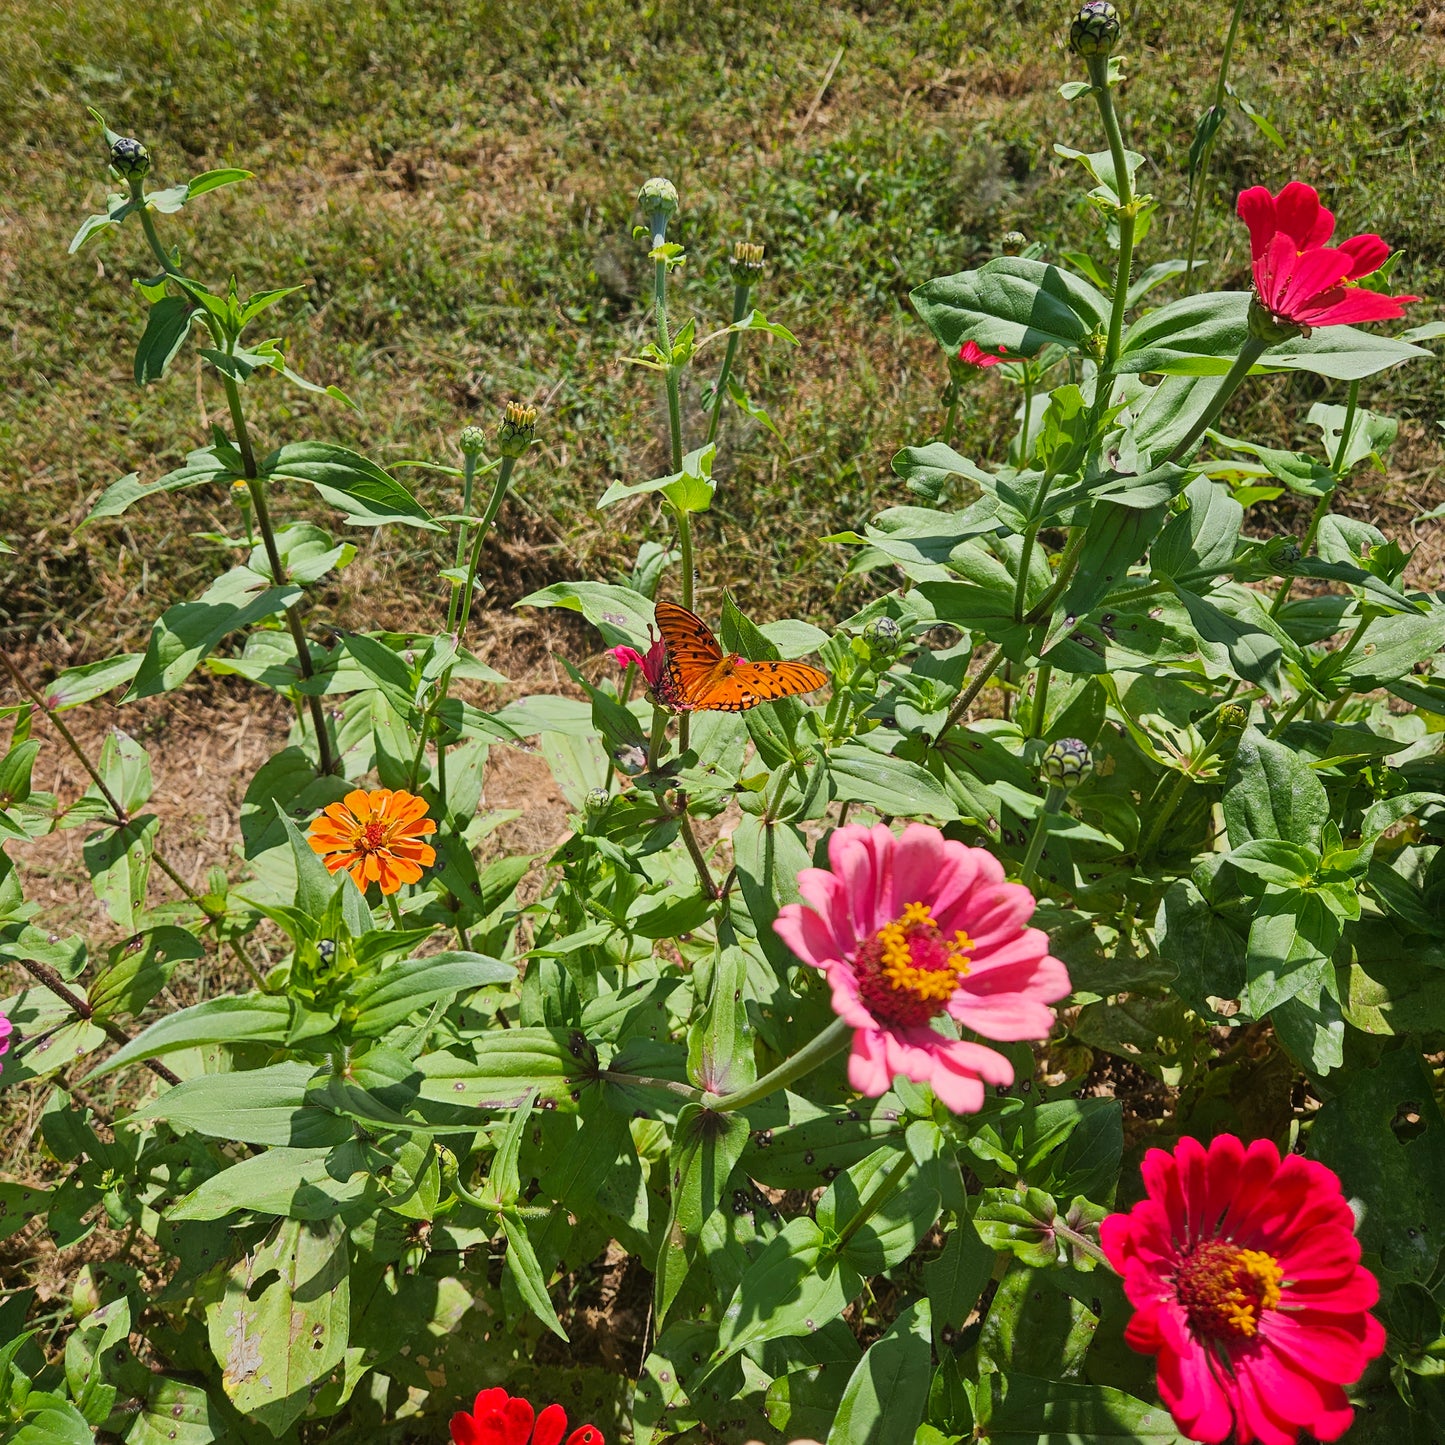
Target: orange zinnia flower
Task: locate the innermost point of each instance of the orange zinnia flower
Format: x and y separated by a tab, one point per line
376	837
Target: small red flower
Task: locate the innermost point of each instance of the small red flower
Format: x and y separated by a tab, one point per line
653	664
1245	1275
501	1419
1301	281
974	355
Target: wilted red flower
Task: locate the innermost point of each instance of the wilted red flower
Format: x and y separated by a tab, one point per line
974	355
1245	1275
653	663
376	837
908	928
501	1419
1301	281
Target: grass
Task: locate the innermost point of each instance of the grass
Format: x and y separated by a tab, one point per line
454	183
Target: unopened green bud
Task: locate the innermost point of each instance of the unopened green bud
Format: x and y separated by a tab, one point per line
1233	718
1067	763
747	262
1095	29
1282	551
1265	326
515	434
130	158
473	441
1012	243
84	1297
883	633
658	197
597	799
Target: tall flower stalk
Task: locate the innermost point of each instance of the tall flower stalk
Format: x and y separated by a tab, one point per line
1213	119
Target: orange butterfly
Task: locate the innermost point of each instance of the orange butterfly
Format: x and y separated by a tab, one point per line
698	676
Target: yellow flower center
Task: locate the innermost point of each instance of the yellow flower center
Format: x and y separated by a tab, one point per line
1225	1290
908	970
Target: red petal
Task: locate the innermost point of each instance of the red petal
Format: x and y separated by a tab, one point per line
586	1435
550	1425
1299	215
1367	253
1255	208
517	1419
464	1429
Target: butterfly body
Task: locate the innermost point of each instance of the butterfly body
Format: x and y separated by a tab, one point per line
700	677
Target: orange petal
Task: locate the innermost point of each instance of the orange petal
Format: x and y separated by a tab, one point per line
358	873
339	813
406	870
386	876
359	804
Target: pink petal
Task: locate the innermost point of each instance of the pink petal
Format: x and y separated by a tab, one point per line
806	932
1299	215
867	1064
1255	208
1354	306
1195	1396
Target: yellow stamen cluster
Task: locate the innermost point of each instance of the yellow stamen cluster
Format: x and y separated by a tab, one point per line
898	968
1241	1307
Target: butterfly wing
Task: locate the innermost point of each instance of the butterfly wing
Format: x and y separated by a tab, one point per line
747	684
693	654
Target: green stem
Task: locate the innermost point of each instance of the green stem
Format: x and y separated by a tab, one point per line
454	602
1207	155
885	1189
952	418
1322	504
1024	448
684	543
393	910
1041	700
656	738
1162	815
704	874
1068	563
1289	715
499	493
664	341
1250	353
833	1040
1099	79
646	1081
741	292
966	697
451	1177
1053	801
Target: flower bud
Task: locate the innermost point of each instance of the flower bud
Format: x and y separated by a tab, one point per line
1095	29
1282	551
658	197
747	262
130	158
326	949
473	441
514	436
1265	326
1233	718
597	799
882	634
1012	243
1067	763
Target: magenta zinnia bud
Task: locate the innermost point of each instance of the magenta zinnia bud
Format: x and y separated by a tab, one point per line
908	928
1244	1273
1094	30
130	158
1301	281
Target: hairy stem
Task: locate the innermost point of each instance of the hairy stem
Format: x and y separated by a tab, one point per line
833	1040
966	697
1053	801
1099	78
1250	353
881	1193
741	291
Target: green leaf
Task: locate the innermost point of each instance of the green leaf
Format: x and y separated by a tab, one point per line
176	1413
214	180
1013	302
885	1398
119	863
292	1183
690	490
259	1018
507	1063
1271	792
201	466
526	1273
796	1285
316	887
720	1043
1290	941
139	968
19	1204
368	496
402	989
1393	646
1021	1222
275	1346
955	1279
1202	335
89	681
58	1423
1199	542
167	327
889	784
621	615
1231	641
1116	537
189	631
1046	1412
256	1106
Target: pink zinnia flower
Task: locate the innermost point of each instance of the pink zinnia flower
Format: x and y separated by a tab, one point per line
1245	1274
500	1419
1301	281
912	927
972	353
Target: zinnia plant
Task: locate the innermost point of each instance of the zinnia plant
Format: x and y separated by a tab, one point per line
915	928
1245	1276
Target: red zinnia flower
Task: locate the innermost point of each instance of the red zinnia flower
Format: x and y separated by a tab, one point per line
1245	1275
972	353
500	1419
1301	281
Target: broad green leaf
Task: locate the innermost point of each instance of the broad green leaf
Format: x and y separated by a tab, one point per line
1290	941
1393	646
1047	1412
526	1272
1271	792
257	1106
201	466
1013	302
1115	538
889	784
293	1183
274	1347
402	989
369	496
1199	542
167	327
176	1413
507	1063
57	1423
955	1278
720	1044
250	1018
139	968
1232	642
119	863
89	681
19	1204
621	615
886	1396
690	490
317	887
